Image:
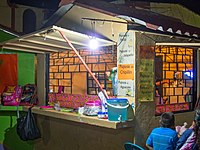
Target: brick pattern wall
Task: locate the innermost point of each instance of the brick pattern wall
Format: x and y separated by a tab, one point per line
64	64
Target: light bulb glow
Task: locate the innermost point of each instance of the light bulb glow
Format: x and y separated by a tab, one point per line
93	44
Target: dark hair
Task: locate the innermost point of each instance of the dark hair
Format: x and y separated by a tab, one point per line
167	120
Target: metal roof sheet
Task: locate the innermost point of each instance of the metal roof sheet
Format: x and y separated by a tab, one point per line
145	18
50	40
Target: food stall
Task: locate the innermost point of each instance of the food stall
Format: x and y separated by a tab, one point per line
136	54
76	129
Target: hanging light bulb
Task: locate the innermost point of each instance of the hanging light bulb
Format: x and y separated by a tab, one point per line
93	44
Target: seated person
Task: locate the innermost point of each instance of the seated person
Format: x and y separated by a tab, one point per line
190	139
165	136
158	98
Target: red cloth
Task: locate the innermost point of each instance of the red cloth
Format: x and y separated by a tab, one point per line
8	70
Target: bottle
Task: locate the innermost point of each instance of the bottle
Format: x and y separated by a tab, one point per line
57	106
115	83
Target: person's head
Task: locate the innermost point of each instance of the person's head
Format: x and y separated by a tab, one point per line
167	120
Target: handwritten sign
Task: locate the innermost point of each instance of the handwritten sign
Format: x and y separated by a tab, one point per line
126	87
125	51
125	64
126	72
146	65
146	78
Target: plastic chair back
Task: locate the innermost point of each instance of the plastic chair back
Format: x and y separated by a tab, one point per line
131	146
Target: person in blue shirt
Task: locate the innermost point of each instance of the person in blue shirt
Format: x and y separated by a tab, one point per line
164	137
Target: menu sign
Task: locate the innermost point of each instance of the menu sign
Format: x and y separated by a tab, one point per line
126	64
126	72
146	78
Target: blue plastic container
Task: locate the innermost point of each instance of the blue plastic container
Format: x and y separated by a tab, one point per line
117	109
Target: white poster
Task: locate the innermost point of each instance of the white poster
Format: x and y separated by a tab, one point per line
126	64
125	48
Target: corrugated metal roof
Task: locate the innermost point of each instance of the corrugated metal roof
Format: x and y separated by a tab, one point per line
145	18
51	40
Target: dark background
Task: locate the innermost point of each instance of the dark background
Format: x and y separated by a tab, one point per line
192	5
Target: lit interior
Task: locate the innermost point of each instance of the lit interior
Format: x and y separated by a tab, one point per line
174	74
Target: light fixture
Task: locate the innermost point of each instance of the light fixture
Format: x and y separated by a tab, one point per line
93	44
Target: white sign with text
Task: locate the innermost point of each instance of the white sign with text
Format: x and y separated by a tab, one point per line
126	64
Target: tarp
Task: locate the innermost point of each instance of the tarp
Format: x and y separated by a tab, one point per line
8	70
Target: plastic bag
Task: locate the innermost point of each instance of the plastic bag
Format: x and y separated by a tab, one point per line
27	128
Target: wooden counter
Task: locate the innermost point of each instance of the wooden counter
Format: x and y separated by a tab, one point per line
81	118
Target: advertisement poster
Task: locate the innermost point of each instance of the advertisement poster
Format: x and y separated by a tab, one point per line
126	64
146	87
146	74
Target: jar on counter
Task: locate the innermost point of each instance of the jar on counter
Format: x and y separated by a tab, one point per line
92	108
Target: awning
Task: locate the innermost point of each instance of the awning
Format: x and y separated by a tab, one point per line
50	40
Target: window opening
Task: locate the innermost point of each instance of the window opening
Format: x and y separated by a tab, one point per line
174	79
29	21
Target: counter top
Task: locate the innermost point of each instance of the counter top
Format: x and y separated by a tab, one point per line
91	120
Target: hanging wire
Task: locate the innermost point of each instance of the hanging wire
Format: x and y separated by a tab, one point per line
112	29
93	28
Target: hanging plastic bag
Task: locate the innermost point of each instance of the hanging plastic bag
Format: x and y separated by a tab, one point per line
27	128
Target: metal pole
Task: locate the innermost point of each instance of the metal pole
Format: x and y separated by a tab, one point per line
88	69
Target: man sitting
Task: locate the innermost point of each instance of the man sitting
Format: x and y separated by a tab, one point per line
165	136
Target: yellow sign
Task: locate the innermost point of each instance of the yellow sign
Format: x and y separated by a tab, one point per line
126	72
146	86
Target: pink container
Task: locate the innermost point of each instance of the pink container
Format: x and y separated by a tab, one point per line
92	108
93	103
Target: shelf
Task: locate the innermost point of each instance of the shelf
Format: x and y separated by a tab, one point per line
81	118
10	108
